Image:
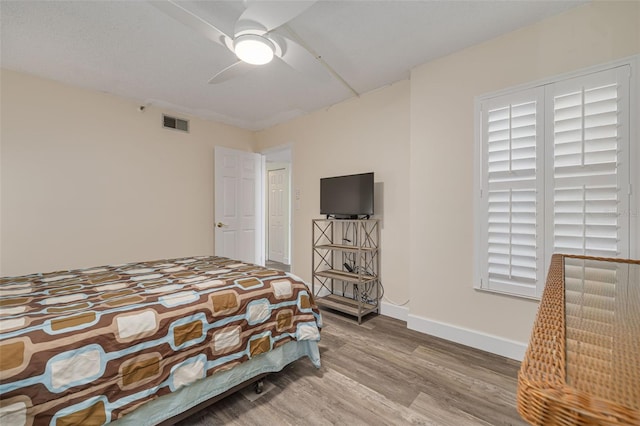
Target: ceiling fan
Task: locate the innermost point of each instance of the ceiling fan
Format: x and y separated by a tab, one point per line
253	41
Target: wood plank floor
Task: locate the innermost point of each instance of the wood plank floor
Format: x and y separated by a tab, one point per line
378	373
277	265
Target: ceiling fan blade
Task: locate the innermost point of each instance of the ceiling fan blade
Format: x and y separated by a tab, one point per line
191	20
232	71
300	59
271	14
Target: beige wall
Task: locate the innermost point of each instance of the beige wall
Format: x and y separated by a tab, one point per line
86	179
370	133
442	149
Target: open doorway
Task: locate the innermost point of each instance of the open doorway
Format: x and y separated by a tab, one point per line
277	208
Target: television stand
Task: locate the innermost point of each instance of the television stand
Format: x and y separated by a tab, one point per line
346	265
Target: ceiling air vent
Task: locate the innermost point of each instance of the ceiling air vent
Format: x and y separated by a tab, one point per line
169	122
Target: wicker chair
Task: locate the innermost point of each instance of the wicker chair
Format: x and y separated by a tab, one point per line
582	366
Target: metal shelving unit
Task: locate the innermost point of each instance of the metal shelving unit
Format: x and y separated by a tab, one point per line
340	245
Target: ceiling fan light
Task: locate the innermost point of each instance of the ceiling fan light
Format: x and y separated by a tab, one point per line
253	49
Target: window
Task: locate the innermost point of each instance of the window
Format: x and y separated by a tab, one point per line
554	177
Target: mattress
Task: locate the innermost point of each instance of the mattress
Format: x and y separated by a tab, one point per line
89	346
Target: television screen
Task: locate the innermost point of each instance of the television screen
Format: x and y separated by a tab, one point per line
347	196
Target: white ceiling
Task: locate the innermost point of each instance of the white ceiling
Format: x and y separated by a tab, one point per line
134	50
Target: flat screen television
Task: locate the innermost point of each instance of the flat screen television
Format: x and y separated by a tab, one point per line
347	197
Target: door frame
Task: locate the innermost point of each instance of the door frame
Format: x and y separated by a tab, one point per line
280	152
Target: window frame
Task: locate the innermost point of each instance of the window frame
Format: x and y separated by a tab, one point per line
632	173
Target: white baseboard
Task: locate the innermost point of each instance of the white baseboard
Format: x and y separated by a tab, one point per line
475	339
394	311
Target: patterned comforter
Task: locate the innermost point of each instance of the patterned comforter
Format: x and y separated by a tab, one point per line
90	345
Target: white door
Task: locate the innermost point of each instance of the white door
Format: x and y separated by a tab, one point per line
278	214
238	205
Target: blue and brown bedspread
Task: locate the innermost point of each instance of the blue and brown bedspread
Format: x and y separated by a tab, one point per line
87	346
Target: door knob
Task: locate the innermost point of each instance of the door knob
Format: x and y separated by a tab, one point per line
220	224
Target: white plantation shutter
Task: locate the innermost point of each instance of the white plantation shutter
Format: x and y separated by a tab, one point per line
588	174
554	178
511	192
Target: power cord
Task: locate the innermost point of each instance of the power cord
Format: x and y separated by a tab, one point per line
389	300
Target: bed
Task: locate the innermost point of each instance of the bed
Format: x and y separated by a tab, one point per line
141	343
